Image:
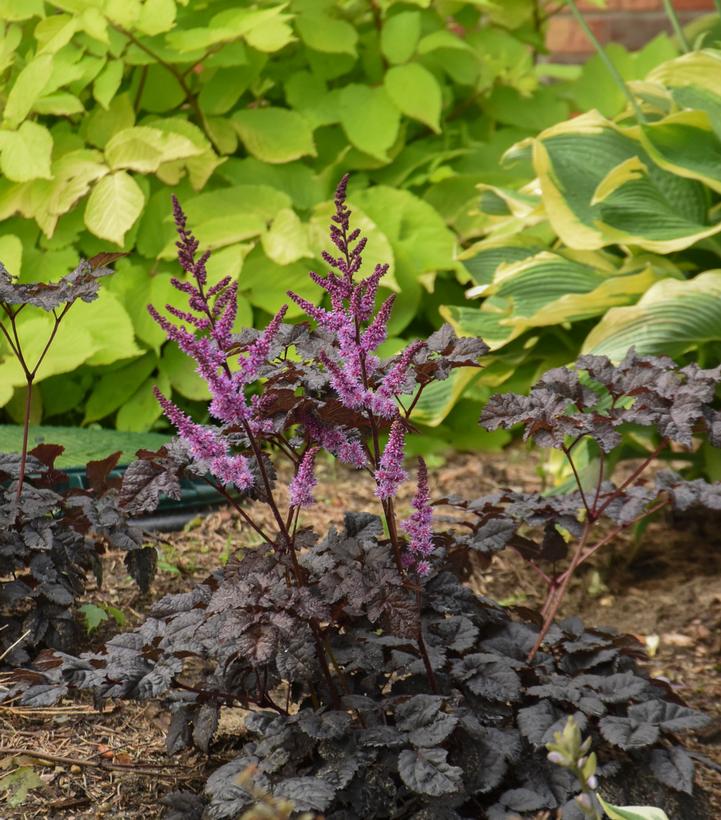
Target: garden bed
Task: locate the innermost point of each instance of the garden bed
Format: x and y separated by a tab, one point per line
122	771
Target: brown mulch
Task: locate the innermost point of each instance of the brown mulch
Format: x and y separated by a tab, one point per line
665	589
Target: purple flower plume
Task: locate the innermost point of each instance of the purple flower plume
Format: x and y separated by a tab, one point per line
301	487
418	524
390	473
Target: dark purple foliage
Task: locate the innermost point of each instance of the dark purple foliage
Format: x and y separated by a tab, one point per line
377	684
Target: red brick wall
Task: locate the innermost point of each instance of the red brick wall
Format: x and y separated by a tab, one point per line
629	22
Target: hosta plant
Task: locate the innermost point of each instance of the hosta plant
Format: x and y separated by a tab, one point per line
50	535
611	241
373	682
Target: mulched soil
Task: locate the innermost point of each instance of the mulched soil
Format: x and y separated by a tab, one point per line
665	589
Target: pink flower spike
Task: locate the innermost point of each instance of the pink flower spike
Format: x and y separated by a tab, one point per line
301	487
390	473
232	470
260	348
323	317
418	525
203	442
375	333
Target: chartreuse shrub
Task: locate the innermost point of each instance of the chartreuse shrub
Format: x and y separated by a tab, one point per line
612	241
375	683
246	112
51	535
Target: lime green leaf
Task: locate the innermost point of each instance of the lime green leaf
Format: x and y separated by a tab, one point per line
416	93
114	205
671	318
72	175
12	10
113	389
142	409
101	125
110	327
369	118
27	87
11	253
230	215
181	373
124	12
93	23
156	17
632	812
274	134
421	241
93	616
26	152
55	32
400	35
72	346
107	83
62	104
287	238
266	30
324	33
258	271
143	148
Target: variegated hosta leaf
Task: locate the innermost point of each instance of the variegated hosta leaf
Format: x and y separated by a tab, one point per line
671	318
483	258
686	144
601	187
694	81
547	289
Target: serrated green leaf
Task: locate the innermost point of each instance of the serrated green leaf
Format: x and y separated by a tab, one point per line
370	119
286	240
72	346
113	207
324	33
143	148
110	328
113	389
156	16
11	253
107	83
416	93
181	372
421	241
28	86
25	153
101	125
61	104
400	35
142	410
274	134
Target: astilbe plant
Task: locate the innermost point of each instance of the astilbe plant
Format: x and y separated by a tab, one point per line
51	535
376	684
